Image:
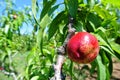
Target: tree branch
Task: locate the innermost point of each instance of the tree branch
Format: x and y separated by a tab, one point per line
62	52
12	72
9	74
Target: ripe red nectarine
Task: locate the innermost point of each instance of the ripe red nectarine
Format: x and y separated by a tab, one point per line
83	47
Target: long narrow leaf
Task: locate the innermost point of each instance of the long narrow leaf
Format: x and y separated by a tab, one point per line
46	8
101	33
43	24
72	6
54	26
107	50
34	7
113	2
34	11
71	69
101	69
95	19
110	66
106	59
115	47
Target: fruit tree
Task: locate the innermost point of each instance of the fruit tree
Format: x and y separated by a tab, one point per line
70	40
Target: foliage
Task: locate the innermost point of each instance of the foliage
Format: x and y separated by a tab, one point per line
30	56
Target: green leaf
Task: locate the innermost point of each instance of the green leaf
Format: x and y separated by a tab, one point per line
100	68
110	66
61	27
91	27
54	26
116	48
46	8
48	54
53	9
101	35
35	78
107	61
45	21
72	6
94	19
43	24
44	2
71	69
104	14
79	26
115	26
10	34
91	3
113	2
34	10
40	39
6	29
93	67
104	57
107	50
34	7
106	22
107	73
105	45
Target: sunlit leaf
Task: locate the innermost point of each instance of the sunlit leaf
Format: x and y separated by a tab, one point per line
106	59
103	38
91	3
100	68
45	21
34	10
115	47
113	2
107	50
43	24
34	7
35	78
104	14
6	28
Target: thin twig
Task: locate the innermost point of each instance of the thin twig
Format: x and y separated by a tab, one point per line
10	74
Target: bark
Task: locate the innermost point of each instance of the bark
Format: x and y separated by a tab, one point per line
61	51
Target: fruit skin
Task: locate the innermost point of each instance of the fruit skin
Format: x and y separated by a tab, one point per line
83	47
14	16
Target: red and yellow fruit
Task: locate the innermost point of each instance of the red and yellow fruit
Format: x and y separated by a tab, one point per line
83	47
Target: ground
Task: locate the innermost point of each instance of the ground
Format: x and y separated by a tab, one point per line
116	70
115	74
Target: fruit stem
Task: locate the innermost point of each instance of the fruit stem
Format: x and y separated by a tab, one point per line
61	51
